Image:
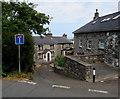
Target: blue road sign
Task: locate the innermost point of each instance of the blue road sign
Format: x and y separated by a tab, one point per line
19	39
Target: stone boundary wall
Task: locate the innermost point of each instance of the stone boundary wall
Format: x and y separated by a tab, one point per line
75	68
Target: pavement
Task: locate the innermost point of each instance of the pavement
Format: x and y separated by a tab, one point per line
104	72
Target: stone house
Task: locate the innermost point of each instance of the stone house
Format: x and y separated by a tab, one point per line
97	41
47	48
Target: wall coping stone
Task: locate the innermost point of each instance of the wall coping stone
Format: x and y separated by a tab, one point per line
79	61
91	55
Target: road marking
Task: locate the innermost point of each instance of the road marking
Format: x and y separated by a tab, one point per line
60	86
100	91
51	70
23	81
116	77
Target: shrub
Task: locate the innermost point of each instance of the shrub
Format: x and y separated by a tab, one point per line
60	60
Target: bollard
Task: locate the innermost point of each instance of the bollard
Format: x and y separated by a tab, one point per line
94	75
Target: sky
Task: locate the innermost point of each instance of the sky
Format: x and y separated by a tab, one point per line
69	15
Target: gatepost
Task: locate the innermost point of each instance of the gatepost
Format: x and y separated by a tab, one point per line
94	75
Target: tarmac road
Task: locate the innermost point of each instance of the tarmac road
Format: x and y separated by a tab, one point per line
49	84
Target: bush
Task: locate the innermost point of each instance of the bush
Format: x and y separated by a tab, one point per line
10	53
60	60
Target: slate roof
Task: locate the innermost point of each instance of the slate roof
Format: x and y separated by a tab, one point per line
62	40
105	23
50	40
42	41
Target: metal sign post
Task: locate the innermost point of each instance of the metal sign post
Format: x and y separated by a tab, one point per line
19	58
19	39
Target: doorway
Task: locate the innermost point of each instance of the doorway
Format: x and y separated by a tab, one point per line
48	57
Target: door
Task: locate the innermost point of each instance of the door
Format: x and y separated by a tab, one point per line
48	57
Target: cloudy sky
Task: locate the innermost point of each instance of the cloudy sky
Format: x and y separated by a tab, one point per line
69	15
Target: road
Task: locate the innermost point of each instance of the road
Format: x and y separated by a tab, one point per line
46	83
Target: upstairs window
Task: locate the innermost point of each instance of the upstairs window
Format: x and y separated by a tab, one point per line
106	19
89	44
116	17
51	47
80	43
40	47
101	44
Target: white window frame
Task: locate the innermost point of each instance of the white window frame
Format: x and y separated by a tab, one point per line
40	47
101	44
52	47
116	17
80	43
89	44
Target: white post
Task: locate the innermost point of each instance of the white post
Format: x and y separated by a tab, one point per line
19	58
93	75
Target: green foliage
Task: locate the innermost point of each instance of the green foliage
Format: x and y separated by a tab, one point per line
10	53
20	18
15	74
60	60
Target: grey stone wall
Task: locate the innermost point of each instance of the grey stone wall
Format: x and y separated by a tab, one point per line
109	54
75	68
92	58
112	49
94	37
119	54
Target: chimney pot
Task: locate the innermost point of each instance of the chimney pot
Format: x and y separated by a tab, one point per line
49	34
65	35
96	15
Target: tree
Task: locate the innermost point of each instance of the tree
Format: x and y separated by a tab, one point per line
20	18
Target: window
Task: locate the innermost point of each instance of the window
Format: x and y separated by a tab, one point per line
80	43
116	17
62	45
44	56
107	19
101	44
94	22
51	46
40	55
40	47
52	53
107	33
89	44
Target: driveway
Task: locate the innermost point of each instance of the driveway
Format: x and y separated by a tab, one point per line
105	72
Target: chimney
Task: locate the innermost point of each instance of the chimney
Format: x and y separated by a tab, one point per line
49	34
96	15
65	35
